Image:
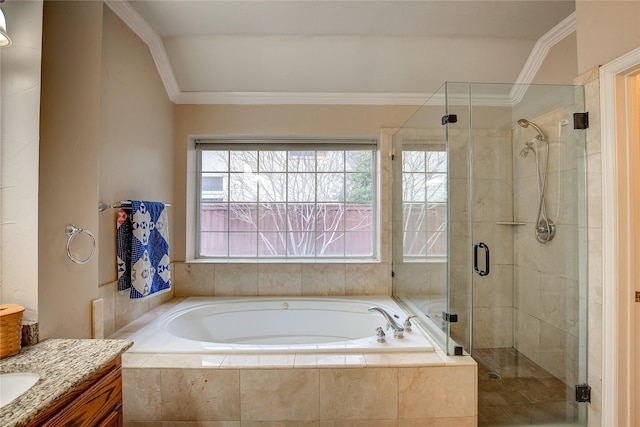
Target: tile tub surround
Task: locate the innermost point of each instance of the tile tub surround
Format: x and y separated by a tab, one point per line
63	364
416	389
372	389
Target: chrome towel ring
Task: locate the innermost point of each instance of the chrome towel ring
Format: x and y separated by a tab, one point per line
72	231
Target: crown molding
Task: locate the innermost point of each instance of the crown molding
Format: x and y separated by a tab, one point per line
138	25
301	98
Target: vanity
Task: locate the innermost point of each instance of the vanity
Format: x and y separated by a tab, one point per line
74	382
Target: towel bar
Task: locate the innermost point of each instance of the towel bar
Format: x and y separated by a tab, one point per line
121	204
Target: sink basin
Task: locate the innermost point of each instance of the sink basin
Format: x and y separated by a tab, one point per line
14	384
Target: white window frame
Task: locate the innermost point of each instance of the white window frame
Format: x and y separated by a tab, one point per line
291	144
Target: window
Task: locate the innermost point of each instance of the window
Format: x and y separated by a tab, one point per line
424	201
282	200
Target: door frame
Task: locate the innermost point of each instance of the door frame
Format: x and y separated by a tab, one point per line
619	250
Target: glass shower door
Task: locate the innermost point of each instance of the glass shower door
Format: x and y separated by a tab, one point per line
527	249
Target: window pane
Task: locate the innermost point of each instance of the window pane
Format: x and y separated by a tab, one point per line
243	217
330	244
273	161
213	244
301	244
243	244
215	161
301	217
243	187
273	187
415	216
359	187
413	187
330	217
213	216
436	161
413	161
359	244
359	218
244	161
302	161
437	243
272	217
330	187
436	185
213	188
302	187
272	244
359	161
330	161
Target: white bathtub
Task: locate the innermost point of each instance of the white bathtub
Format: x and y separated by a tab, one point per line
276	325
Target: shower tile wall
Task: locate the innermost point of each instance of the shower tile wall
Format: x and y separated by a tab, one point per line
546	275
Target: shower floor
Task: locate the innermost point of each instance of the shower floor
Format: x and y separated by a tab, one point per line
514	391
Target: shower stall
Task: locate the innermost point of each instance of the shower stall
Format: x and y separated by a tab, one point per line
489	241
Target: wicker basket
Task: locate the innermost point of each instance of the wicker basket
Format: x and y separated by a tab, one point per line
10	329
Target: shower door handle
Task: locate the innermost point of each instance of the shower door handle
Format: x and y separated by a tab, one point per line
482	245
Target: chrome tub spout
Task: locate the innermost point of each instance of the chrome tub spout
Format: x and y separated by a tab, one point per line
398	331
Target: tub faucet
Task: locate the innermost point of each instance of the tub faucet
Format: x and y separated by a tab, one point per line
398	331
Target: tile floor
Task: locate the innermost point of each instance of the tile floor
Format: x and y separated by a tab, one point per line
522	393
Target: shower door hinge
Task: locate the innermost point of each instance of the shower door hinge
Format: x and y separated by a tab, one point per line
449	118
580	120
449	317
583	393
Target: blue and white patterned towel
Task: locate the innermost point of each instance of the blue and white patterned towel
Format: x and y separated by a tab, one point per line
143	249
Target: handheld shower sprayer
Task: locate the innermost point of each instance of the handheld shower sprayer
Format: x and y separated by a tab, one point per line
545	229
524	123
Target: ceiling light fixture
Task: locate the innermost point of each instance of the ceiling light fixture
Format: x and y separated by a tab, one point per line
5	41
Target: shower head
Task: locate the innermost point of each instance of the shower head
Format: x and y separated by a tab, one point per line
524	123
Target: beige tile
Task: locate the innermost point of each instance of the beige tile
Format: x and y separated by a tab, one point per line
322	360
279	279
297	423
200	394
402	359
201	424
439	422
367	279
272	395
193	279
323	279
262	361
141	395
347	394
437	392
178	360
358	423
236	279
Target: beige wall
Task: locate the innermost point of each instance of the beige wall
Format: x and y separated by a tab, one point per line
70	129
605	31
107	127
136	138
560	65
19	140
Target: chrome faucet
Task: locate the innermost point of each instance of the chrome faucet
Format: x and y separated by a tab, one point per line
398	331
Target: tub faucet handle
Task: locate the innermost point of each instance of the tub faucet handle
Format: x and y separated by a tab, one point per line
380	334
407	323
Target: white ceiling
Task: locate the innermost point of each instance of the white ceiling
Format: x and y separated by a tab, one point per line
365	48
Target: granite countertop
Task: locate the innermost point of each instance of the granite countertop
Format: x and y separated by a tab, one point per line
63	364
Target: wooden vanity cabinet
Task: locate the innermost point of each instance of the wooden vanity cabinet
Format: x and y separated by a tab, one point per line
95	403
